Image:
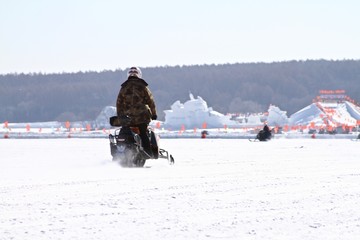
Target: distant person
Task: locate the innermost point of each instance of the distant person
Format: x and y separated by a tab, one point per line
136	101
264	134
204	133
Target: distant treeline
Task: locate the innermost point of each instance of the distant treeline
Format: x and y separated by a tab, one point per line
228	88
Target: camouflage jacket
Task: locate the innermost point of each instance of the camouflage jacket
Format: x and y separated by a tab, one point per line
136	100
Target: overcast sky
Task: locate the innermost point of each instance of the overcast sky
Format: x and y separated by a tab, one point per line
94	35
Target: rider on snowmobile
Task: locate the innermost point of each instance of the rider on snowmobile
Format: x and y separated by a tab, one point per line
264	134
136	101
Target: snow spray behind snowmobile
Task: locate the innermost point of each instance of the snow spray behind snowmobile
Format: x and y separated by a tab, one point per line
126	147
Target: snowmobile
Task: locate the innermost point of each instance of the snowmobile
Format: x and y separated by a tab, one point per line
263	135
126	147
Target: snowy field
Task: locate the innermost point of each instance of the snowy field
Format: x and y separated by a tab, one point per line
217	189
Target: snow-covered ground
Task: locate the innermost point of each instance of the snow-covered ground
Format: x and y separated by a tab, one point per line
217	189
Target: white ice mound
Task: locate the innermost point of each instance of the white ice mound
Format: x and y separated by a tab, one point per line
102	120
277	117
195	113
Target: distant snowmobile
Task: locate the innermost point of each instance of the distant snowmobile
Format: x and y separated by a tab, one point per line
126	148
264	134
